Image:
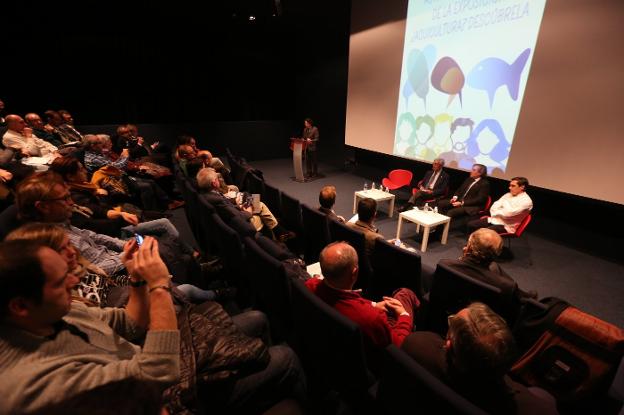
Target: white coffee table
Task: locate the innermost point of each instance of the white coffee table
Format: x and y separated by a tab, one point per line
378	195
427	220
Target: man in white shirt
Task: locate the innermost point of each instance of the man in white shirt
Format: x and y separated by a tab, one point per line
21	138
509	211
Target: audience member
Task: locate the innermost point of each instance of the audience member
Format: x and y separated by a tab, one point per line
432	186
21	138
2	113
471	196
509	211
477	261
52	349
367	213
45	132
473	360
208	182
383	322
327	199
54	122
95	287
68	128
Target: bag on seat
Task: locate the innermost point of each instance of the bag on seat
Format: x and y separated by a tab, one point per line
575	358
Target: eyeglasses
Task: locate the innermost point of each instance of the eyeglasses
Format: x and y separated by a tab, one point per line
65	198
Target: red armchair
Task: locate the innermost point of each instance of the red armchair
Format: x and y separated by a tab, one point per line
397	179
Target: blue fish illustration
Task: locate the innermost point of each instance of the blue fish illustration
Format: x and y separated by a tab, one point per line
492	73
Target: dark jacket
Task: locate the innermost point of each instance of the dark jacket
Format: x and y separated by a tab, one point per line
213	353
440	185
476	198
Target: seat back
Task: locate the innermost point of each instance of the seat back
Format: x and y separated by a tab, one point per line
452	290
316	233
400	177
525	222
272	197
393	268
255	184
270	288
291	213
341	232
8	221
330	345
230	247
488	203
404	383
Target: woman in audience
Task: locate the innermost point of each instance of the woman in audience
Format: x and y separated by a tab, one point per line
92	208
93	213
96	287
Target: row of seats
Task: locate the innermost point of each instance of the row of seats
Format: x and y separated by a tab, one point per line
336	357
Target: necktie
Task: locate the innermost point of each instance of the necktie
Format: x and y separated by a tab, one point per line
467	190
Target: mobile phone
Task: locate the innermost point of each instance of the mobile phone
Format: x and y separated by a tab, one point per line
139	239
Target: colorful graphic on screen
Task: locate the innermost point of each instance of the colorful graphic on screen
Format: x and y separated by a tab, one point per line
465	68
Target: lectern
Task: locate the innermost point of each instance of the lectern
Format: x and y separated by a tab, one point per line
298	145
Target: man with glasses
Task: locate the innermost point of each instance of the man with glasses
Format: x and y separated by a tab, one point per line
474	359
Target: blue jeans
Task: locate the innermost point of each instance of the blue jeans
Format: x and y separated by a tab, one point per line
195	294
158	227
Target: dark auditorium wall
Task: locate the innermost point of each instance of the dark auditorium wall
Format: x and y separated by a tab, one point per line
177	67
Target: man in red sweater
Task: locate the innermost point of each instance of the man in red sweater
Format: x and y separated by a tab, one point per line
384	322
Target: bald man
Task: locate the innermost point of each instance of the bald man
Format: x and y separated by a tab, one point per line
384	322
21	138
483	247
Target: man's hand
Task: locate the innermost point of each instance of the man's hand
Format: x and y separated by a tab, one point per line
154	145
381	305
48	128
101	192
130	218
456	204
394	305
124	153
5	176
140	141
145	262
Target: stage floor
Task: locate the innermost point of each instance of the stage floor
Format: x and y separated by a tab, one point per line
587	282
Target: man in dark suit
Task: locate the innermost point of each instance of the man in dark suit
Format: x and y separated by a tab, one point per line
311	135
432	186
471	196
483	247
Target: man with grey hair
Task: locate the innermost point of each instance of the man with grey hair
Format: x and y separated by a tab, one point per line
474	359
432	186
471	197
483	247
384	322
228	207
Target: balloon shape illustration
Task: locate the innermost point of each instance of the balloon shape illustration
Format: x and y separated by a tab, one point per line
418	74
448	77
492	73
